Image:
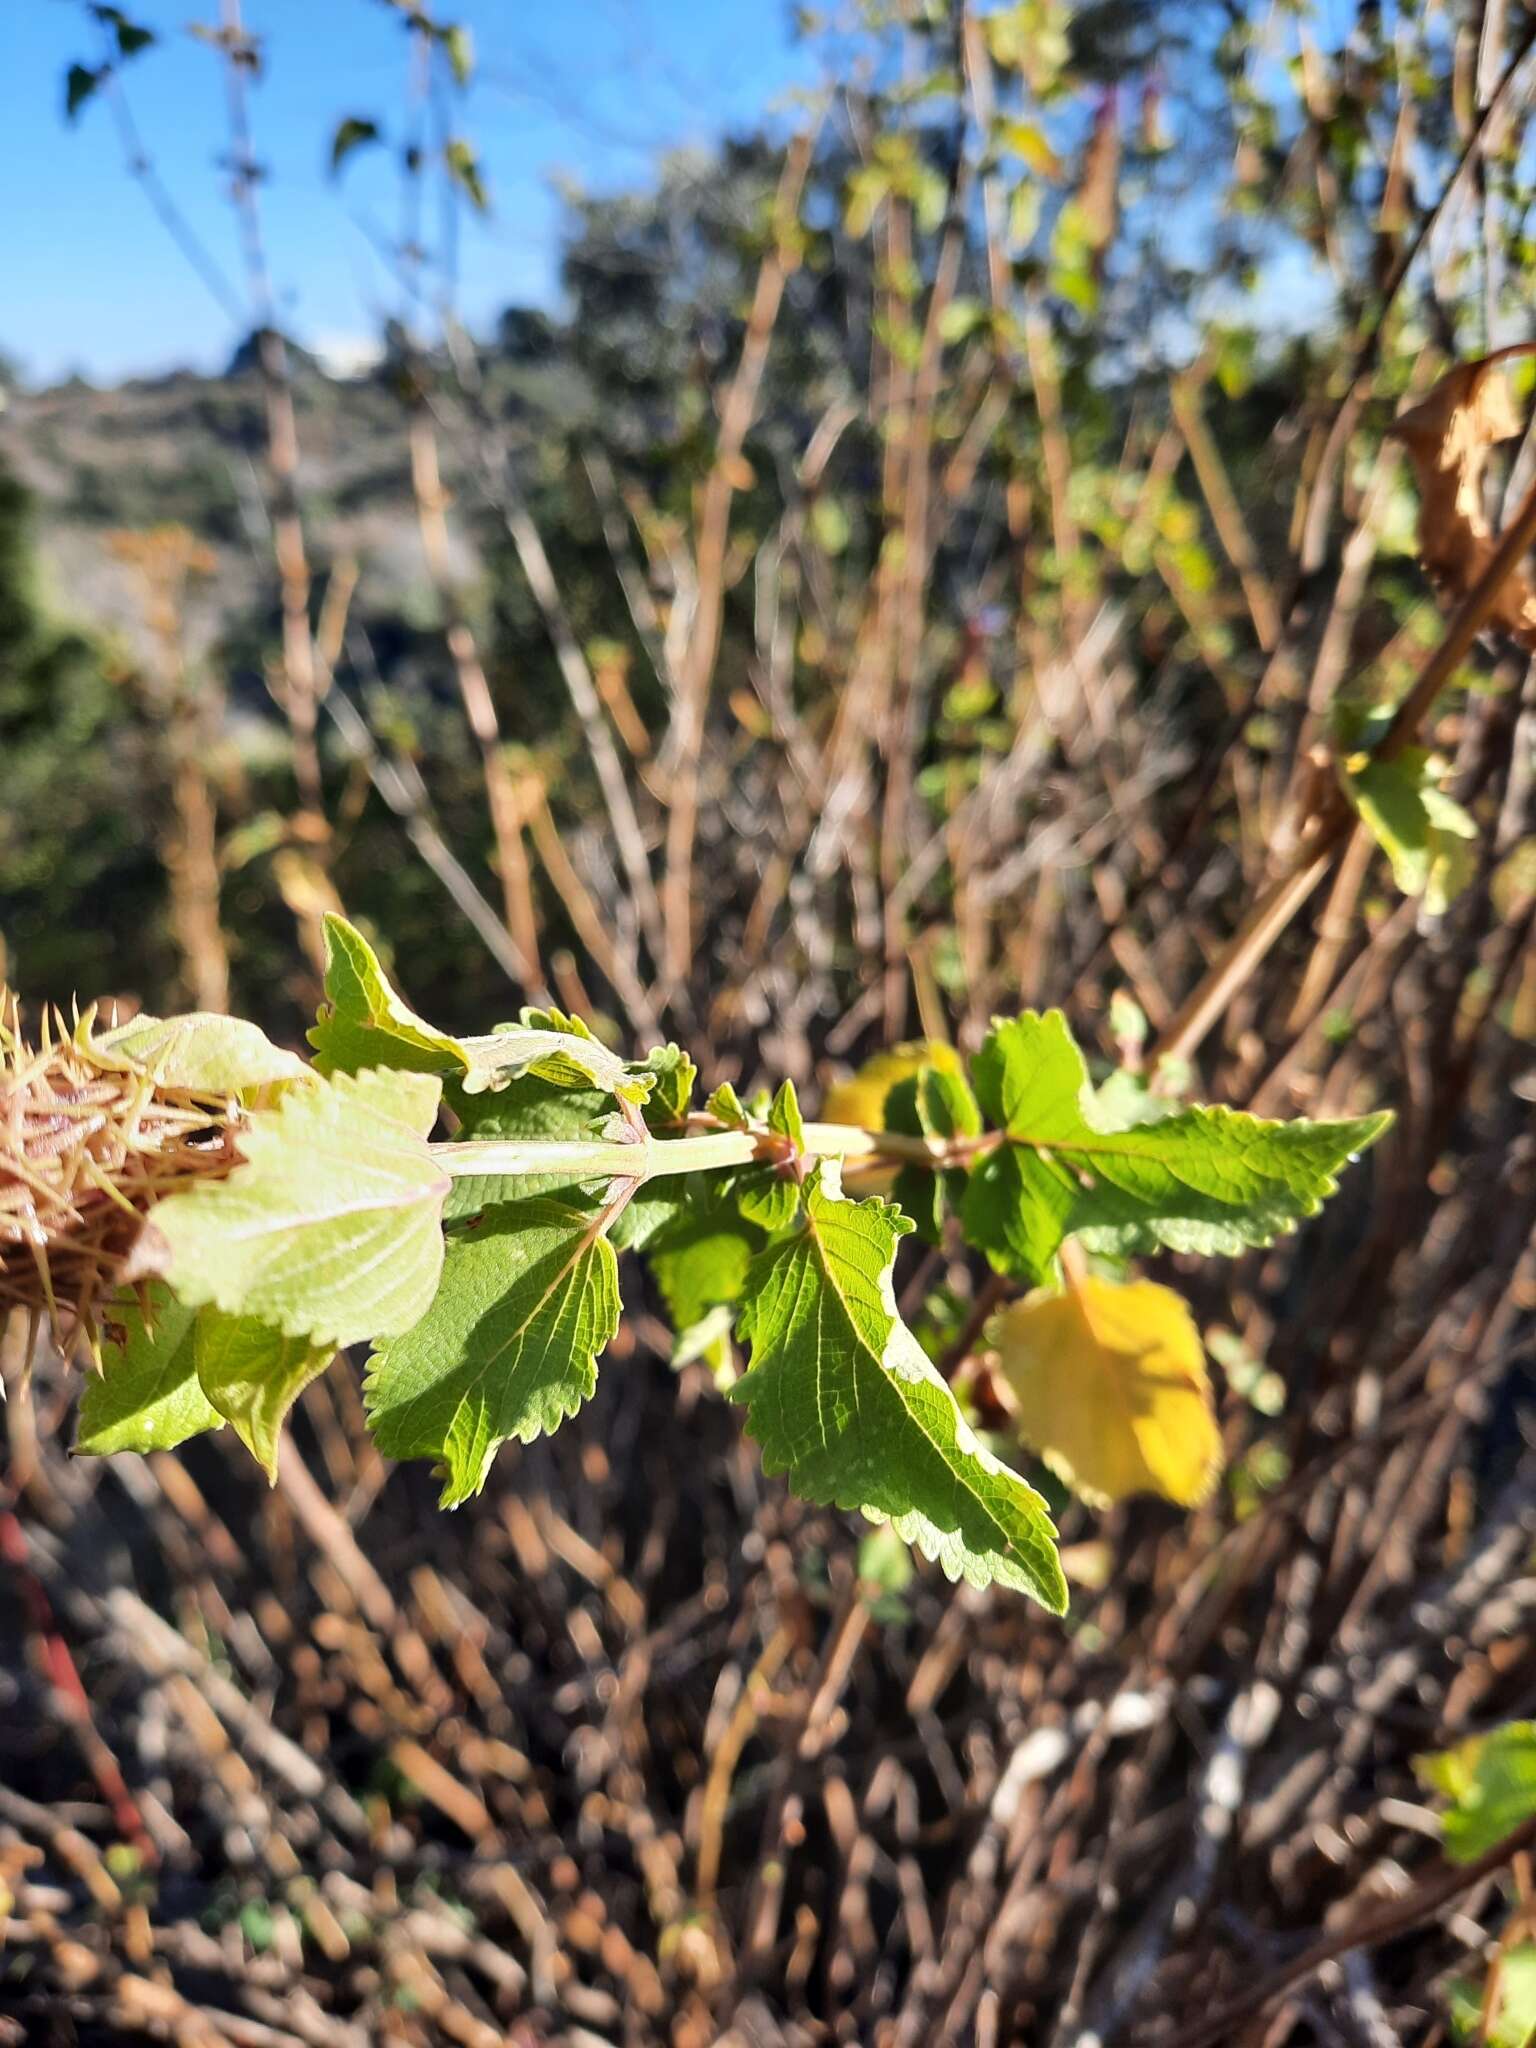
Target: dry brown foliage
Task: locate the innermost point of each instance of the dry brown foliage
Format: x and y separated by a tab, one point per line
1448	437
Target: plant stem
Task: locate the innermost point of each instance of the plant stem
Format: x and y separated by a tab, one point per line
591	1159
649	1158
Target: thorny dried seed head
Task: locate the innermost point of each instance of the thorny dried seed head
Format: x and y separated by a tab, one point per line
89	1142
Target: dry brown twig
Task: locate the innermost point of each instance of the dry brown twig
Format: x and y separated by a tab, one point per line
697	669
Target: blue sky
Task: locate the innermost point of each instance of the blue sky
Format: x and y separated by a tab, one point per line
588	89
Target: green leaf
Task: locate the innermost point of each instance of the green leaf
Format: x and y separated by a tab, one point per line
726	1105
363	1023
464	169
1425	834
960	318
351	133
1205	1180
672	1092
885	1563
79	83
131	39
147	1398
1491	1783
331	1228
509	1348
841	1397
1017	1207
784	1116
129	36
708	1339
200	1052
700	1259
252	1374
770	1195
459	47
1513	2020
652	1208
931	1104
1123	1099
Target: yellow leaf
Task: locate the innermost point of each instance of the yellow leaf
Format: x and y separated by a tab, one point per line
862	1100
1112	1389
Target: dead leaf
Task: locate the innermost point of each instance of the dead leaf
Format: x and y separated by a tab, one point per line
1098	196
1448	437
1110	1386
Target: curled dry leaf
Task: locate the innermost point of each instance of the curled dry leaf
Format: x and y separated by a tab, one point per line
1098	195
1110	1386
1448	437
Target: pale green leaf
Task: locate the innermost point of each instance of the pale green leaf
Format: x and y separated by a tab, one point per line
885	1564
1427	836
332	1226
672	1090
1490	1781
364	1023
252	1374
1512	2021
841	1397
147	1397
464	169
200	1052
509	1348
459	45
708	1339
726	1106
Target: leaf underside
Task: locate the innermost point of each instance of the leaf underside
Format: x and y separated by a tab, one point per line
148	1398
365	1024
332	1228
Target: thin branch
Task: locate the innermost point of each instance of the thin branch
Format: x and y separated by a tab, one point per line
404	796
479	706
736	415
1387	1923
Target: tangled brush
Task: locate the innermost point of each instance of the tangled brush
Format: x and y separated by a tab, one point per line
89	1142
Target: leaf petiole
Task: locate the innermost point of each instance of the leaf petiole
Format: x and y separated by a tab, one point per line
649	1158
